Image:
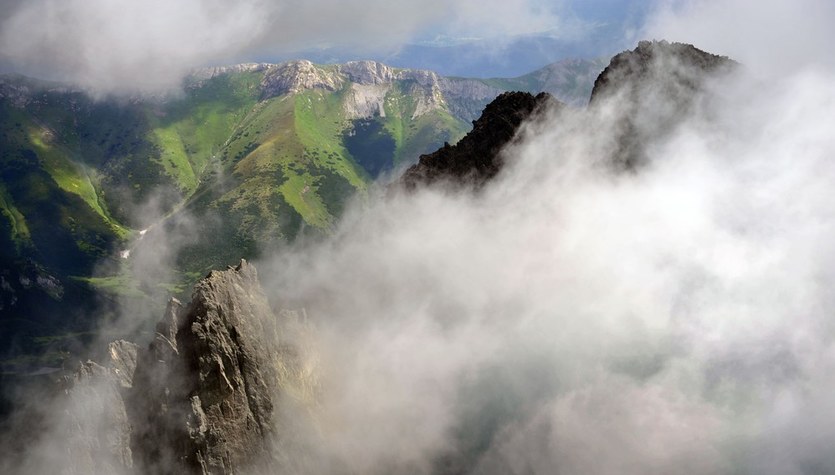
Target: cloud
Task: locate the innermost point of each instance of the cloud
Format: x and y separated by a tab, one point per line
771	37
148	46
571	319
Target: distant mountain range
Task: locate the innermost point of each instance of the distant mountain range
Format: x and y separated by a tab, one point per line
488	57
254	154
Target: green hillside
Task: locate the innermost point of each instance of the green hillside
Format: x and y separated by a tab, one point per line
248	167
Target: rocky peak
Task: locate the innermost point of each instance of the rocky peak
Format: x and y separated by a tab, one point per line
201	398
648	91
658	63
476	158
296	76
98	427
204	398
368	72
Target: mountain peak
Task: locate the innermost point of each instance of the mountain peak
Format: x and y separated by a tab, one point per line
658	61
297	76
476	158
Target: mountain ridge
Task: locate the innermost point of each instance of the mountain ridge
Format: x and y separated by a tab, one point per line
258	153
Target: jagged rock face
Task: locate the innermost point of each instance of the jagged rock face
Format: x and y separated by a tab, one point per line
476	158
649	90
368	72
202	398
203	392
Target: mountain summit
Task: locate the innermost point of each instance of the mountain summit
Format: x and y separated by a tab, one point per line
646	91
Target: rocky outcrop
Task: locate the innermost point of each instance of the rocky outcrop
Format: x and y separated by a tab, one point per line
202	397
640	95
476	158
206	389
296	76
680	67
646	92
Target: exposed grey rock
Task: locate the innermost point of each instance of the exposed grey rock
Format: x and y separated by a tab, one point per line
296	76
122	361
206	389
370	72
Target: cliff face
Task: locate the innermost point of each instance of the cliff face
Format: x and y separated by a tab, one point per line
206	384
203	394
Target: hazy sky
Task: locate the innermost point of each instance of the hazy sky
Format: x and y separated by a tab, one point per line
130	45
150	44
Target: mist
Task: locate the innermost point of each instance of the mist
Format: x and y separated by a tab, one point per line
772	38
570	318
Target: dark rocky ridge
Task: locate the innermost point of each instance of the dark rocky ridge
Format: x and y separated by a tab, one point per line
653	87
476	159
657	61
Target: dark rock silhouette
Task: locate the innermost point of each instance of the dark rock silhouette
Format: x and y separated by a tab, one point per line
476	158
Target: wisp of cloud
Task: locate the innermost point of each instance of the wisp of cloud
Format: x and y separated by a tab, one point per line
147	47
574	319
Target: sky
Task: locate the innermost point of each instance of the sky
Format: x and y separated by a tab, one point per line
150	45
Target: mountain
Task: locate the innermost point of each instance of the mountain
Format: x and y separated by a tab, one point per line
476	158
671	76
247	156
640	94
202	397
210	392
508	56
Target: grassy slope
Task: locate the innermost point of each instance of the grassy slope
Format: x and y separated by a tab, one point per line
266	170
414	136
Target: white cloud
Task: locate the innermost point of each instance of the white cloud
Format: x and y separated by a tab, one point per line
770	36
148	46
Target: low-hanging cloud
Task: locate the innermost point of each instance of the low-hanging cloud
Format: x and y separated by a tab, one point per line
771	37
130	46
570	319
